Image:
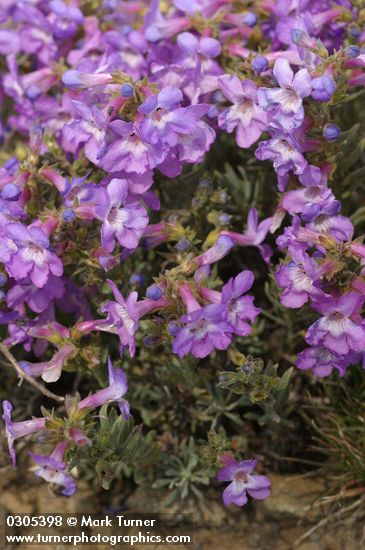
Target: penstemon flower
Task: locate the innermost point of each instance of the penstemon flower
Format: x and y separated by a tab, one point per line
242	482
31	255
246	116
204	328
337	330
285	104
114	392
53	469
14	430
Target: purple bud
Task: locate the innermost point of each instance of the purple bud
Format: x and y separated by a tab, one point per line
136	279
10	192
219	250
33	92
250	19
154	292
173	328
151	341
11	164
217	97
68	215
302	39
126	90
260	64
212	112
323	88
79	80
35	137
126	29
183	244
353	51
331	132
355	32
224	218
152	34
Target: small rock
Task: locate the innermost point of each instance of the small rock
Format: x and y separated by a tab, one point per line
14	503
292	496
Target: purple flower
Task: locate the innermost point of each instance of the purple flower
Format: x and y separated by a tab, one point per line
285	104
14	430
65	19
51	370
192	47
9	42
113	392
53	469
311	202
339	330
38	299
219	250
254	235
298	278
123	316
122	222
204	328
243	482
129	151
323	88
322	361
165	120
239	309
284	152
33	256
192	147
88	129
338	227
79	438
246	116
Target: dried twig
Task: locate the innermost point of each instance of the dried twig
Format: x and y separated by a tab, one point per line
23	375
326	520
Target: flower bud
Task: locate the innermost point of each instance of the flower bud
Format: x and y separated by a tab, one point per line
10	192
136	279
173	328
260	64
79	80
355	32
154	292
182	245
353	51
302	39
68	215
331	132
250	19
126	90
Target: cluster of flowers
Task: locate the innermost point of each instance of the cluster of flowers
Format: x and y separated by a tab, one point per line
102	104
